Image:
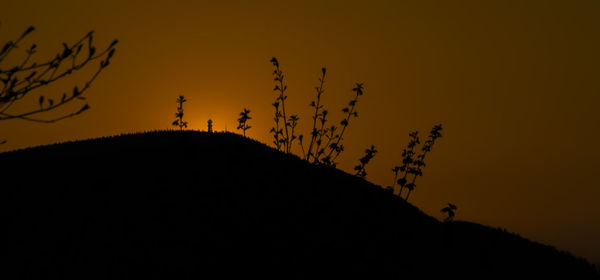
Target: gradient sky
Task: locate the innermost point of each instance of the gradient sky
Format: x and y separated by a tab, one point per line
514	83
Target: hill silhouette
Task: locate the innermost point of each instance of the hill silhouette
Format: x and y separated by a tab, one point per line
183	205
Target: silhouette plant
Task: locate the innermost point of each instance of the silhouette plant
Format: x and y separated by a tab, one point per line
360	169
450	211
292	123
323	131
325	144
210	125
396	169
407	161
334	142
416	168
282	136
320	113
276	130
179	115
21	80
243	121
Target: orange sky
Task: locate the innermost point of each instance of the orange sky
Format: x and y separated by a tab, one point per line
514	83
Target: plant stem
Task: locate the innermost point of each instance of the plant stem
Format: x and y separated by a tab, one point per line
282	98
319	141
337	144
394	183
314	131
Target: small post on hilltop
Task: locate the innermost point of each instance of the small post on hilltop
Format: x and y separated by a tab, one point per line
209	125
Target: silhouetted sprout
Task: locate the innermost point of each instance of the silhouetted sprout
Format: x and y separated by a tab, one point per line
325	144
360	169
243	121
179	115
419	163
319	115
396	169
292	123
281	139
450	211
336	147
326	132
21	79
210	125
330	135
300	138
407	161
276	130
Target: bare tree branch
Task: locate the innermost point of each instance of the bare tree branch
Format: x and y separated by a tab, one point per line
21	80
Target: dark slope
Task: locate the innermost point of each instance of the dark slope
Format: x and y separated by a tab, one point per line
179	205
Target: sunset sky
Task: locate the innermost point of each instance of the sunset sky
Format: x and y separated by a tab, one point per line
515	85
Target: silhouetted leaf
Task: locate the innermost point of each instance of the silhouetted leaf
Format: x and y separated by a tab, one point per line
104	63
111	53
29	30
402	181
6	47
67	51
32	49
85	107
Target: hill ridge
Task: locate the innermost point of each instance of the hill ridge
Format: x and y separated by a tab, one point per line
207	200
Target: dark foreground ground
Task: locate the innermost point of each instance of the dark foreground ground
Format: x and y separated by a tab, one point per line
192	205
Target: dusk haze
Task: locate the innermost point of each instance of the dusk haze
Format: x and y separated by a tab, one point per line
301	131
